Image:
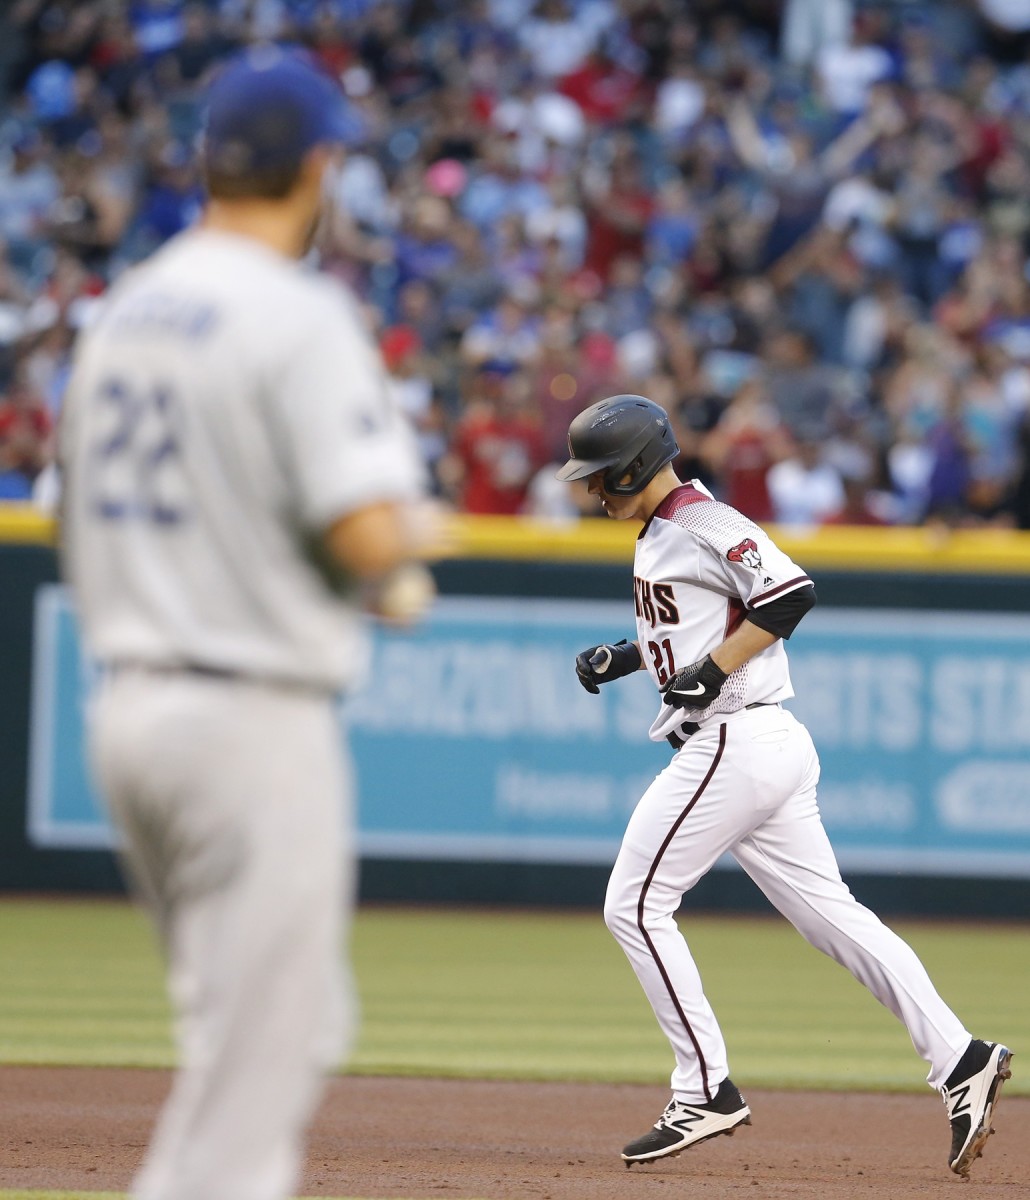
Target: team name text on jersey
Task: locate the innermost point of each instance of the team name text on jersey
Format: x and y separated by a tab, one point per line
655	602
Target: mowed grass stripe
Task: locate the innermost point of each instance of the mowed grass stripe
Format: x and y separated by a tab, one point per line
23	1195
521	995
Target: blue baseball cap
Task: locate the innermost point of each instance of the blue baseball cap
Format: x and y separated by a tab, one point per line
267	108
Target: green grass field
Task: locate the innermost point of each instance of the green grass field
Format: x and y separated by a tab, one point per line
520	995
8	1195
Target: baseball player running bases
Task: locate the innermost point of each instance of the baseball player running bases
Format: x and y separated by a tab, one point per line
715	600
238	488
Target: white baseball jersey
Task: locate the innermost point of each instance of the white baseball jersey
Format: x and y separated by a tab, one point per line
699	567
225	409
743	782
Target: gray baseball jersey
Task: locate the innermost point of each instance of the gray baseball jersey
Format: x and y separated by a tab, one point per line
224	409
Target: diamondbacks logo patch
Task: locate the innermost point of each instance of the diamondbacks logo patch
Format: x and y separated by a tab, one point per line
745	552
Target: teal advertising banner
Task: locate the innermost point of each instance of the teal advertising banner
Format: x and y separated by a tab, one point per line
474	741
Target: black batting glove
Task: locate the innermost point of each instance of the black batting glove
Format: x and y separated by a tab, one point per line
602	664
695	686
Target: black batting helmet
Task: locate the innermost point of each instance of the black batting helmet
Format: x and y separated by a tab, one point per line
622	436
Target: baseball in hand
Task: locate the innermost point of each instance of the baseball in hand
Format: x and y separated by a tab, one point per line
405	595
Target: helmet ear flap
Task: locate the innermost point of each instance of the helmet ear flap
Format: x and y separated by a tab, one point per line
614	476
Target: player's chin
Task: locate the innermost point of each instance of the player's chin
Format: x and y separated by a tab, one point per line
615	510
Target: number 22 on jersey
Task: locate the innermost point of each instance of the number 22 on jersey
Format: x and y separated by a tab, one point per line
135	462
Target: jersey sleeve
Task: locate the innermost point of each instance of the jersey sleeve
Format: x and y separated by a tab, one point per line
344	443
751	564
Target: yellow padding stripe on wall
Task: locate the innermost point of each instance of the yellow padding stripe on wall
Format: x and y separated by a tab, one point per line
23	523
854	548
857	548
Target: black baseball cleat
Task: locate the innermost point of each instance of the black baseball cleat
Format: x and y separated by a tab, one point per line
683	1125
971	1096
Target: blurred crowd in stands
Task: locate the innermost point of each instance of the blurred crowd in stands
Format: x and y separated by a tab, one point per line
801	226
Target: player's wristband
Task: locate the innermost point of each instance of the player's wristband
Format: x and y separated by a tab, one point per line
602	664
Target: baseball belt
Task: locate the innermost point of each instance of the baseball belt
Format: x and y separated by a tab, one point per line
678	738
223	674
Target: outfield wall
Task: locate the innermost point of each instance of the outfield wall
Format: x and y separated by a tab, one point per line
488	775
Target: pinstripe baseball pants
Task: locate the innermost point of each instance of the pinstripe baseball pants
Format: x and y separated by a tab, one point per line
746	784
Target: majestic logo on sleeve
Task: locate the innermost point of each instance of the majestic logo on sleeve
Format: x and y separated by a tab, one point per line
745	552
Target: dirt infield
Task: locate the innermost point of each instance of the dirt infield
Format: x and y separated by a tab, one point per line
85	1129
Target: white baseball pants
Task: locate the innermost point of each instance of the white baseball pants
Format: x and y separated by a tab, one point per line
231	798
746	784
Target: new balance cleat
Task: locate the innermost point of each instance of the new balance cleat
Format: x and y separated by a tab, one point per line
683	1125
971	1097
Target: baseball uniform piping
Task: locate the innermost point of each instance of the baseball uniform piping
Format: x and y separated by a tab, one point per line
899	981
640	911
791	584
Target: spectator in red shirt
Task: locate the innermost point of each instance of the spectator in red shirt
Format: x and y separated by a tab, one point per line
498	445
748	439
569	374
25	436
605	90
619	211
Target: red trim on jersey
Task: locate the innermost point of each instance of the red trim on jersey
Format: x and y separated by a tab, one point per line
735	610
678	498
800	581
643	896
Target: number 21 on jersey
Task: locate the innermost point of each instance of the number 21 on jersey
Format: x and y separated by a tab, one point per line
656	604
664	663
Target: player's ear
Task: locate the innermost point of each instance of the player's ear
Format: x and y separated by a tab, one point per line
315	167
